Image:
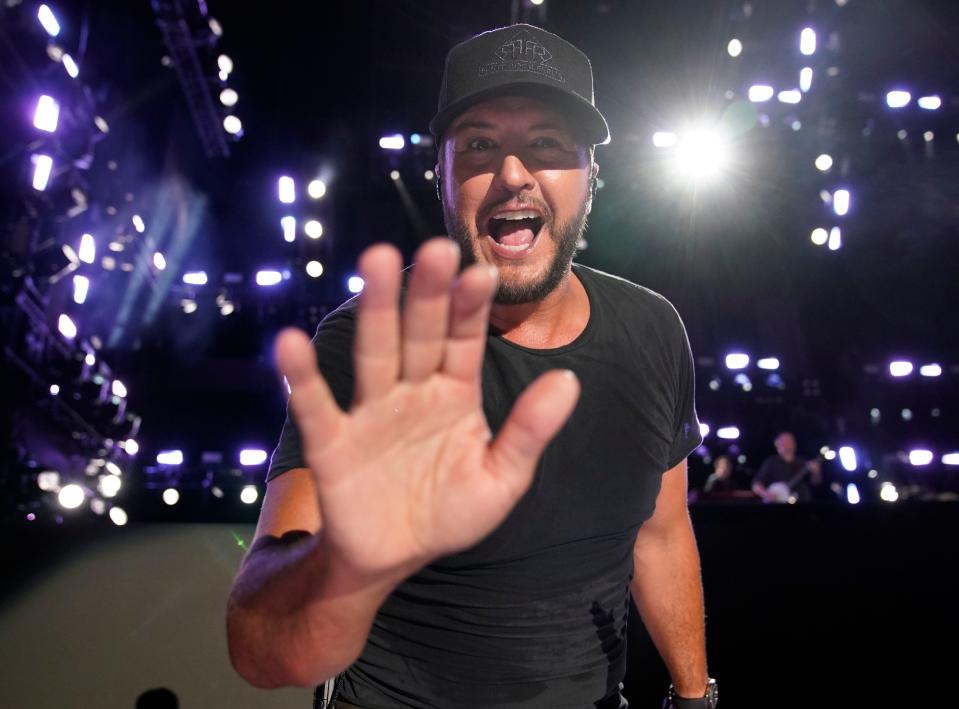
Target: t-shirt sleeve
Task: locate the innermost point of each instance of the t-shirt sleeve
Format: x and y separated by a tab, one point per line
686	434
334	353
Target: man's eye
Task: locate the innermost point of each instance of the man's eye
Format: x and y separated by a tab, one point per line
480	144
546	143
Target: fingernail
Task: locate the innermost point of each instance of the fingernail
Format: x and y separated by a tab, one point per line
570	374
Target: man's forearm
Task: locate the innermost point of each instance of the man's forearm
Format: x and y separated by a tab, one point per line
668	593
294	619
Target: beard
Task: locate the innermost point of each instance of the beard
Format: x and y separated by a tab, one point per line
510	292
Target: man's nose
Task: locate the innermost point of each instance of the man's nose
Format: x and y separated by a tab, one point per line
513	175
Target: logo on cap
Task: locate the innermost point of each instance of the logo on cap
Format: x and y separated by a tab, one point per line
523	53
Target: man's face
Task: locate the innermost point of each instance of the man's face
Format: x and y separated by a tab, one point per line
516	193
786	446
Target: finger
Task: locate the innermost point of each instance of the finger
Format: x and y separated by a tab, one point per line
315	411
376	351
426	314
469	322
537	416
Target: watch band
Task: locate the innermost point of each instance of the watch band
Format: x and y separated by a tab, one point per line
708	701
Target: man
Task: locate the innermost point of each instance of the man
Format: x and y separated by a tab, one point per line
417	535
784	477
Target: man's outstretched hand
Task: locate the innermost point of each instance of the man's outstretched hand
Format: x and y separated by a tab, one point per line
410	472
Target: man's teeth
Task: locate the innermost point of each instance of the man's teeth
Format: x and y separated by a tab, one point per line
514	216
516	247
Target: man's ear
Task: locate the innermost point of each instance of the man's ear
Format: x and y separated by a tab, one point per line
438	176
593	172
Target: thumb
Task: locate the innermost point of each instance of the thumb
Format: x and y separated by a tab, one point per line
537	416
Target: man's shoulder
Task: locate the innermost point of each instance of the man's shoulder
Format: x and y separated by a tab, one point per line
621	291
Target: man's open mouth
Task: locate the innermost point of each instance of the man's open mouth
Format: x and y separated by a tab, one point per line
514	232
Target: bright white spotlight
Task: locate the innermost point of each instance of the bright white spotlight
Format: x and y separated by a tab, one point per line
174	457
232	125
159	260
252	456
759	93
130	446
920	456
81	286
734	48
701	154
47	114
289	228
392	142
54	389
109	485
224	63
950	459
268	278
101	124
888	492
807	41
898	99
286	189
852	494
67	327
171	496
71	496
313	229
354	284
930	103
790	96
429	175
737	360
728	433
90	359
840	202
42	167
88	249
928	136
118	388
195	278
189	306
71	66
900	368
819	236
768	363
314	269
536	2
703	429
835	239
930	370
229	97
49	22
664	139
316	189
847	457
394	175
118	516
249	494
48	480
823	162
138	223
805	79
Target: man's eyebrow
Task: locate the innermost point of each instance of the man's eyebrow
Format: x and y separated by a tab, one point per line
466	125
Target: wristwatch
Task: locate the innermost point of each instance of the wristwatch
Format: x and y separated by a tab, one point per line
709	701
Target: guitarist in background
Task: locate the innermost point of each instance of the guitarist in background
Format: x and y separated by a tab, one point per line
783	475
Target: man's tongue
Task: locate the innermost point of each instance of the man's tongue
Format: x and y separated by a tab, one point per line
515	235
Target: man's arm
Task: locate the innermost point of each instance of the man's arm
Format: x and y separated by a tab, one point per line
667	588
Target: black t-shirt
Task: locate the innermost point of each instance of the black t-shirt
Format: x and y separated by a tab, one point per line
534	615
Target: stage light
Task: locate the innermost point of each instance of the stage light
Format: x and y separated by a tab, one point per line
701	154
215	27
536	2
807	41
115	246
159	261
109	485
226	308
88	249
847	458
81	286
71	66
232	125
268	278
906	414
805	79
48	480
224	63
898	99
760	93
288	225
852	494
728	433
171	496
737	360
900	368
790	96
172	457
835	239
101	124
768	363
313	229
415	139
872	474
664	139
392	142
928	136
249	494
54	389
189	306
67	327
43	166
920	457
354	284
252	456
46	115
714	384
118	388
840	202
138	223
71	496
429	175
195	278
316	189
118	516
888	492
130	446
902	134
930	103
734	48
950	459
930	370
286	189
314	269
229	97
823	162
49	22
394	175
819	236
703	429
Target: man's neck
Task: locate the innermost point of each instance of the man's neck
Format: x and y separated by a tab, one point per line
552	322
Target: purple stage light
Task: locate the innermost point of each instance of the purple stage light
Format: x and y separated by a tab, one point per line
88	249
47	19
159	261
840	202
931	370
920	456
289	228
760	93
172	457
252	456
703	429
852	494
807	41
138	223
195	278
768	363
737	360
286	189
47	114
71	66
728	433
67	327
835	239
268	278
900	368
392	142
81	286
43	166
354	284
898	99
847	458
950	459
930	103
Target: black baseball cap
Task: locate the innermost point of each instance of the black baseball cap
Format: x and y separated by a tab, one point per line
525	60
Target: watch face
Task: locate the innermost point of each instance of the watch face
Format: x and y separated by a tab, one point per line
712	693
